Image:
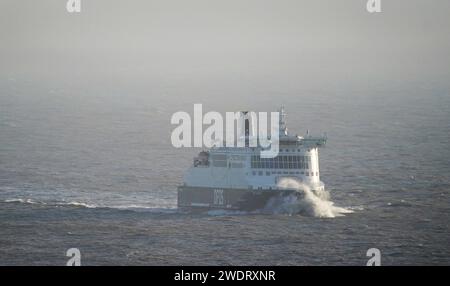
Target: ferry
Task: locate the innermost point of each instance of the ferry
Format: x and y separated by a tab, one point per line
239	178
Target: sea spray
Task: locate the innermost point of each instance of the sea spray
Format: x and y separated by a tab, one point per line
307	202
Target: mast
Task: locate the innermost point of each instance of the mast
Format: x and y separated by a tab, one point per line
282	120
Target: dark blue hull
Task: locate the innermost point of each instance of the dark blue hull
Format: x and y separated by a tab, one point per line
227	198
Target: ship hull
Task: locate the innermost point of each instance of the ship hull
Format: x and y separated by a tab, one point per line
227	198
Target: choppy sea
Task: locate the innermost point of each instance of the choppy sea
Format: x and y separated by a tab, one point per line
94	169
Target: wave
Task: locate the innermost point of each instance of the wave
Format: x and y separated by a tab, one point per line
78	204
133	207
309	202
23	201
34	202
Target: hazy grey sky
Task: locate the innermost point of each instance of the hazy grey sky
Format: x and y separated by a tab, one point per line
289	41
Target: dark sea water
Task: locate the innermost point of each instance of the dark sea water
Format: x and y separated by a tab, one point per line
93	168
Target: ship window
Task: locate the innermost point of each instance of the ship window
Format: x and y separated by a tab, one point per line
307	174
218	163
267	173
279	162
220	157
254	173
260	173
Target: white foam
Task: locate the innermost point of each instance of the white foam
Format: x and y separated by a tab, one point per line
311	203
23	201
30	201
154	208
79	204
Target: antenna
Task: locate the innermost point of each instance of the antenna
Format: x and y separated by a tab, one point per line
283	128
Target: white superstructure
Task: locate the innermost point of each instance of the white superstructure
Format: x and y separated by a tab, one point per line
243	167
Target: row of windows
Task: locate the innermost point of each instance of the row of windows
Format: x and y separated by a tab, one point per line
261	173
281	162
291	150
